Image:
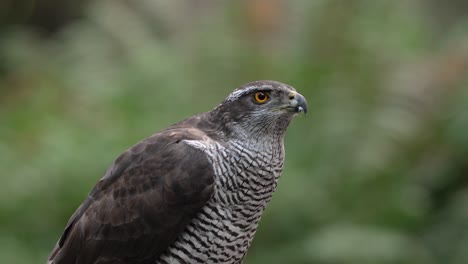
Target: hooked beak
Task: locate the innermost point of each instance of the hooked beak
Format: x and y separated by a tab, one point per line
297	103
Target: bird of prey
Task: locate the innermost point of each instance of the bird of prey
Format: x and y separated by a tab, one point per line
192	193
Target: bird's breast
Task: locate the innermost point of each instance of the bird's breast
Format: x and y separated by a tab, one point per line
224	229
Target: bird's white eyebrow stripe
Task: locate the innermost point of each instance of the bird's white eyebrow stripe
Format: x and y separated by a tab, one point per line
266	85
245	90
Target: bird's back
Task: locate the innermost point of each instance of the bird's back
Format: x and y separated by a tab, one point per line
142	203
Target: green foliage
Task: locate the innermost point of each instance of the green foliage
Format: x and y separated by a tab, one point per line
376	173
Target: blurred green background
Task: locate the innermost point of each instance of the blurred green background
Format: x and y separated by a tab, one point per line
376	173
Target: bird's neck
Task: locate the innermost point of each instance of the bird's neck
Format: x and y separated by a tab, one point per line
249	128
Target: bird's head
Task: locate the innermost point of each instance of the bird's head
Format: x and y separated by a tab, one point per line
261	106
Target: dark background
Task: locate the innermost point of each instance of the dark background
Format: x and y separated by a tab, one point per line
377	172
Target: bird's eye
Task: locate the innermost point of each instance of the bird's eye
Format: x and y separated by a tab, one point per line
261	97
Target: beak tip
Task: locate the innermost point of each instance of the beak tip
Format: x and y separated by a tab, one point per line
298	103
302	104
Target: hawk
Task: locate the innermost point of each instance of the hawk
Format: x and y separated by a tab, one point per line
192	193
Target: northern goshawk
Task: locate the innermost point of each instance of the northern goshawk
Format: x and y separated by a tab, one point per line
192	193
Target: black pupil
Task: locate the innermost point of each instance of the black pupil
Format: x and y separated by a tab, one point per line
261	96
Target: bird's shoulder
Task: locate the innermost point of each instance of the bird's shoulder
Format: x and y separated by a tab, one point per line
161	154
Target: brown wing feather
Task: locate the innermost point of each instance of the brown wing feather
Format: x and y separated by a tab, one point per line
145	199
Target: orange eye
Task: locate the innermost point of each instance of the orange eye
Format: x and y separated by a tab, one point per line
261	97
